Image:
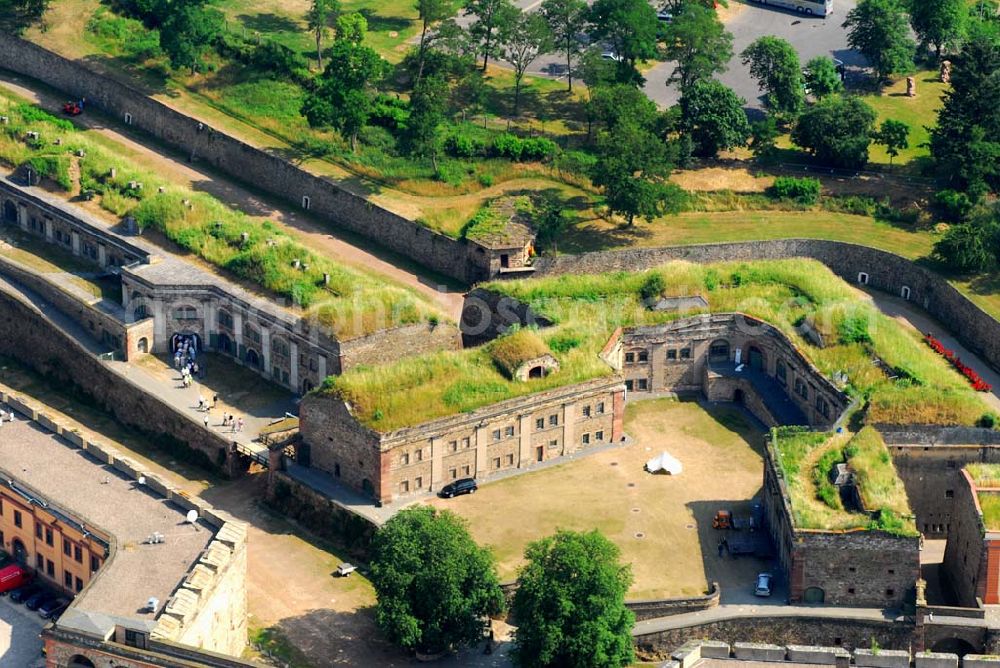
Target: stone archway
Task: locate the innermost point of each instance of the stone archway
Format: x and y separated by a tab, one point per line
20	552
9	211
954	646
813	595
253	358
80	661
143	345
755	358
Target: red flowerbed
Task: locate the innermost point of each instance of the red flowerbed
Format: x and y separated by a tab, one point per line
978	383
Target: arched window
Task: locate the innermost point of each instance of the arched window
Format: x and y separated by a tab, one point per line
140	312
279	347
779	371
905	292
862	278
253	358
250	334
225	319
719	351
10	212
185	312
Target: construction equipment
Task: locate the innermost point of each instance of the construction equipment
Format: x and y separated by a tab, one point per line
723	519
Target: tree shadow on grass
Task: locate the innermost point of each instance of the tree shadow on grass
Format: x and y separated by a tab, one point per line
985	284
269	23
380	23
150	80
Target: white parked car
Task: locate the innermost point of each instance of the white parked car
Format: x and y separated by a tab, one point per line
763	587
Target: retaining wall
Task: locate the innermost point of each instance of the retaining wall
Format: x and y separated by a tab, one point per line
260	169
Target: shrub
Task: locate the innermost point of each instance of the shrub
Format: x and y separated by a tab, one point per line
854	204
987	421
854	329
805	190
577	162
508	146
538	148
378	138
464	146
652	287
389	112
953	205
451	173
486	180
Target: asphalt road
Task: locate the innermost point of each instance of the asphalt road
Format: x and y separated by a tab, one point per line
20	646
811	37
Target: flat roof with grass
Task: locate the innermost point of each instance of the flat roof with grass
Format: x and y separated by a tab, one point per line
348	301
586	310
809	463
986	478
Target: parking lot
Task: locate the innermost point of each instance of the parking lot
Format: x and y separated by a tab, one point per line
20	646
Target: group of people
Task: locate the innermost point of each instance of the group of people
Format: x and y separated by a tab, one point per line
186	359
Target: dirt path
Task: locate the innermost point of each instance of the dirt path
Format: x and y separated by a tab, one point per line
311	232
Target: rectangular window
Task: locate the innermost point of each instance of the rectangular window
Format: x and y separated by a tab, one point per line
39	562
496	434
38	531
949	494
586	439
629	358
77	554
465	471
629	385
95	563
643	356
671	354
404	459
17	518
50	568
79	585
496	462
68	579
553	444
599	436
420	455
404	487
643	384
418	483
508	432
586	411
553	420
466	442
453	473
510	460
685	353
539	423
600	408
49	540
453	446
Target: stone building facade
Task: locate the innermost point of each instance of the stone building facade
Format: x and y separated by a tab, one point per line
972	554
164	298
510	435
856	568
702	354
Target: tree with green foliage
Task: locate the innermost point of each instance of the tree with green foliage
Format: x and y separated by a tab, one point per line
611	104
567	20
879	30
822	77
837	130
632	166
675	6
570	604
764	135
894	135
526	37
321	13
344	94
965	143
629	28
430	13
549	220
435	587
973	245
774	63
939	23
492	17
352	28
699	43
422	137
16	15
188	31
712	114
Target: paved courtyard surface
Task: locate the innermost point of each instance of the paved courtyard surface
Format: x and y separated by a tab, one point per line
20	646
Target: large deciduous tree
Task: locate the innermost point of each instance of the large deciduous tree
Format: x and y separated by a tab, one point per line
973	245
965	143
187	32
699	43
344	94
774	63
629	28
837	130
879	30
430	12
526	38
491	18
939	23
567	20
320	15
435	587
712	115
570	604
422	137
16	15
822	77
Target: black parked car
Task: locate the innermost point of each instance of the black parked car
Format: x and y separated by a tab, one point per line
53	607
22	594
463	486
39	599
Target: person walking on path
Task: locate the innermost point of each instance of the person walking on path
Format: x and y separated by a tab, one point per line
206	420
239	425
215	400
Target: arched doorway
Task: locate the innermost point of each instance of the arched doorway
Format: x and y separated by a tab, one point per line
954	646
20	552
225	344
80	661
253	358
536	372
307	386
813	595
180	338
755	358
143	345
10	212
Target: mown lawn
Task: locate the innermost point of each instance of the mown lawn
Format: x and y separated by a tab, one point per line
918	112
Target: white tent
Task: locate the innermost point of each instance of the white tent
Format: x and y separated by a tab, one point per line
664	462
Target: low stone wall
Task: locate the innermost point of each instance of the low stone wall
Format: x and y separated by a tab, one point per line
33	339
388	345
653	608
259	168
319	514
779	631
916	434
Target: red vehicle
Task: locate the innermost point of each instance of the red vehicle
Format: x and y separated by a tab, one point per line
12	577
73	108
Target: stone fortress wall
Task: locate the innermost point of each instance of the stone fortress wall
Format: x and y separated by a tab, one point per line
265	171
207	610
